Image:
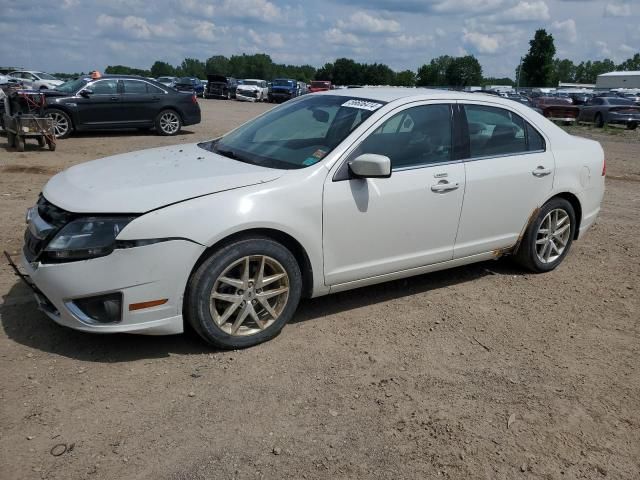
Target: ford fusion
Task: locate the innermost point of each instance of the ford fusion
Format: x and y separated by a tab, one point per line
325	193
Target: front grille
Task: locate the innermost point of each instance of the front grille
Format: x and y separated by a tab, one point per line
247	93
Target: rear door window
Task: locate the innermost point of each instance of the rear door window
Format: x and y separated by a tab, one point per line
135	87
494	131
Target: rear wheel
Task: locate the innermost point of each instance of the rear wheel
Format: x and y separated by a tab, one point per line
244	294
11	139
168	123
549	237
632	126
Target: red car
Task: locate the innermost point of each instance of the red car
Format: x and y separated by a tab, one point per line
558	109
319	86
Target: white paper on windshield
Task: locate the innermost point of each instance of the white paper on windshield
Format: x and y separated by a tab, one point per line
362	104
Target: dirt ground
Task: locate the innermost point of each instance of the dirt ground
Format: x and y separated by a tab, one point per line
481	372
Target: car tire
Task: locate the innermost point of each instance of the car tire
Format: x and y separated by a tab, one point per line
62	125
168	123
599	120
547	240
11	139
226	306
632	126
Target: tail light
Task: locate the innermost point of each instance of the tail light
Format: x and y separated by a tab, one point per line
194	98
604	167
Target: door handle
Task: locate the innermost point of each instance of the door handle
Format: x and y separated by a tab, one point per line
115	99
443	186
541	172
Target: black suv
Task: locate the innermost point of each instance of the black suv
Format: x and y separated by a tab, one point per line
219	86
118	102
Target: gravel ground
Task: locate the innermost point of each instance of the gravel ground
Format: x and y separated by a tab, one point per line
481	372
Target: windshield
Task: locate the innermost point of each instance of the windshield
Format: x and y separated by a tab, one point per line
73	86
250	82
45	76
186	80
282	83
296	134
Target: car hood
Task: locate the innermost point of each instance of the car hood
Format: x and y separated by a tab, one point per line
53	82
141	181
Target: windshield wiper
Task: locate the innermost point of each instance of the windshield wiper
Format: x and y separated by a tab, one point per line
226	153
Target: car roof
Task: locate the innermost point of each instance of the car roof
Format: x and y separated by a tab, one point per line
391	94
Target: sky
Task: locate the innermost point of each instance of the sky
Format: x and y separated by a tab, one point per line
83	35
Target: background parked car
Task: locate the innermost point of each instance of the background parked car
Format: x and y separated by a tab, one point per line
611	110
283	89
252	90
36	80
219	86
117	102
557	109
319	86
167	81
190	84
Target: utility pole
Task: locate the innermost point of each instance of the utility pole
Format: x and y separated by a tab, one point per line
519	75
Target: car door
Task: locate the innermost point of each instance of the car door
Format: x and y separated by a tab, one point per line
378	226
140	100
588	111
509	173
100	105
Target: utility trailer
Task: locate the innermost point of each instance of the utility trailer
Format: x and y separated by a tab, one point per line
24	118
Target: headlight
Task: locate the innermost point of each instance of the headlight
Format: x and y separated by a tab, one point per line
86	238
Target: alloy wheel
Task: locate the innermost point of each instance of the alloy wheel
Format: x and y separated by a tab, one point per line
60	124
553	235
169	123
249	295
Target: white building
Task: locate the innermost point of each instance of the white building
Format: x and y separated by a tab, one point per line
618	80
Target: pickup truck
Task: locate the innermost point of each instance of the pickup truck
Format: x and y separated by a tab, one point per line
319	86
283	89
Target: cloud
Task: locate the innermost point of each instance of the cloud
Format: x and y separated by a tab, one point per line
481	42
616	8
364	23
336	36
566	29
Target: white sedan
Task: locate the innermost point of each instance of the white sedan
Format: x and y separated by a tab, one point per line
325	193
36	80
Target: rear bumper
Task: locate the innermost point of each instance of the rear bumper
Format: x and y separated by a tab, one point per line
192	116
624	119
563	119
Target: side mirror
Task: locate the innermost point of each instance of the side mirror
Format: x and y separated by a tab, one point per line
370	165
86	92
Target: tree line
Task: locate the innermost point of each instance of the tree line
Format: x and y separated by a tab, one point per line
539	68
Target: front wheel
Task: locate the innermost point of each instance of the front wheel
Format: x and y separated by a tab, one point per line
62	126
632	126
599	121
549	237
244	294
168	123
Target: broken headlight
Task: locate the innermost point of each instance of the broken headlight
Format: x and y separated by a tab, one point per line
86	238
